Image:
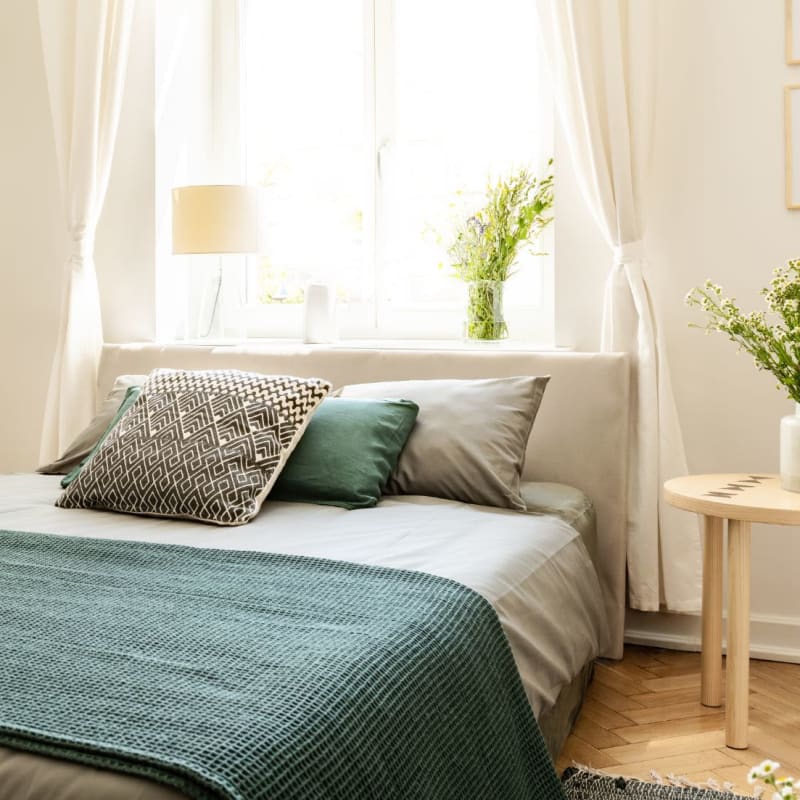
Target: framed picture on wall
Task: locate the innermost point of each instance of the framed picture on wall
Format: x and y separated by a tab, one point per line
792	127
793	31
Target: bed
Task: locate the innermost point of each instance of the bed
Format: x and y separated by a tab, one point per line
554	576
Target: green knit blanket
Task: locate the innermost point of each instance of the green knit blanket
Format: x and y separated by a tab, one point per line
229	674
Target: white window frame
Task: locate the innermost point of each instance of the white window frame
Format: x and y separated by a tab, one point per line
377	318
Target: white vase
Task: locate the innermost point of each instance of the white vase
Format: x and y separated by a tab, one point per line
319	317
790	451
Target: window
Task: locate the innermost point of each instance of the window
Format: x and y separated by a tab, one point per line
373	126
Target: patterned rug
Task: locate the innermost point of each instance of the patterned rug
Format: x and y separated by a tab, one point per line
584	784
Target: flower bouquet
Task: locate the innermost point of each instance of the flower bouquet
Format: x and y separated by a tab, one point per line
487	243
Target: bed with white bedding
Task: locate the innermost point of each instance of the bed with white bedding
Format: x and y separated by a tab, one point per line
537	563
537	574
535	569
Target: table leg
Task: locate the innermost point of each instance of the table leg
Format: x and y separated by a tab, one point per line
738	661
711	669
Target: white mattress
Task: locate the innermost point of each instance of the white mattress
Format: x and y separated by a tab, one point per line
534	569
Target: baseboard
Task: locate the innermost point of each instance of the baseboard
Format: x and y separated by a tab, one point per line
773	638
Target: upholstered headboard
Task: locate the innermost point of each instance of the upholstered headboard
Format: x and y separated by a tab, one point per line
579	438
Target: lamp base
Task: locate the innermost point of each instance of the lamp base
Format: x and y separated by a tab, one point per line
220	314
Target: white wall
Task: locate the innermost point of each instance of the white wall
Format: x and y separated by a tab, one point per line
32	241
717	211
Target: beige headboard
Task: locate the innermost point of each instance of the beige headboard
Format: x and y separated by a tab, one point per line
580	435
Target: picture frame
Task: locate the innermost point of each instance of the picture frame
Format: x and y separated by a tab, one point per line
792	31
791	95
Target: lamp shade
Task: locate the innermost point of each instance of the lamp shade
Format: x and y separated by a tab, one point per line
216	219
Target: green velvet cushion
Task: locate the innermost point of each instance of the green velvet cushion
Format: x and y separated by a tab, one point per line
347	453
131	396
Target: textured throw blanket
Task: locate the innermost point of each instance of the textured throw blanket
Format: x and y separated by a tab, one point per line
243	675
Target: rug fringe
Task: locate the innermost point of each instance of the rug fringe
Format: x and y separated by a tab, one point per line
680	781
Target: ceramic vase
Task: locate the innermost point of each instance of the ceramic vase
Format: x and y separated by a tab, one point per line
790	451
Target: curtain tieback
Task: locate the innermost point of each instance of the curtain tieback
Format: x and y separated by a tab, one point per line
628	252
82	248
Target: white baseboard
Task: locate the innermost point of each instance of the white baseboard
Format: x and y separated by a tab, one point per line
773	638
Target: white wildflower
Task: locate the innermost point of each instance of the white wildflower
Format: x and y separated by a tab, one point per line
768	767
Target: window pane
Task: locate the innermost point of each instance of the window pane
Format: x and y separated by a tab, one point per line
468	105
305	140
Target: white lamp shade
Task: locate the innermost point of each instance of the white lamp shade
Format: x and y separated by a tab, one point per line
216	219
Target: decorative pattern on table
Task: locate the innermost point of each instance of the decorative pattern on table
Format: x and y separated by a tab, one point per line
732	489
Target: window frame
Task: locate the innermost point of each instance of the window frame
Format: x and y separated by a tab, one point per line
376	318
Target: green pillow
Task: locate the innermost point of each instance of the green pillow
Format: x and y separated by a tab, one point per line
130	398
347	453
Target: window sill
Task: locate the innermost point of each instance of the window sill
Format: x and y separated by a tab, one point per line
455	345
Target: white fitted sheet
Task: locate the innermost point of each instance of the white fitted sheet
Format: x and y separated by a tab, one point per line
534	569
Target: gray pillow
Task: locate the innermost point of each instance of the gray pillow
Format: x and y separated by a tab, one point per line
470	438
87	439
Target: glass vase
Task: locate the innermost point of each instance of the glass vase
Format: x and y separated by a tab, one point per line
485	320
790	451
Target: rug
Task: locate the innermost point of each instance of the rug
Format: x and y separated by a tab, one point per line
585	784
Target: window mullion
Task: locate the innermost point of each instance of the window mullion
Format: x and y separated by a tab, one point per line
384	114
368	274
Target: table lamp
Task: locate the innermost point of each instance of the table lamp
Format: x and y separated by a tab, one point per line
217	220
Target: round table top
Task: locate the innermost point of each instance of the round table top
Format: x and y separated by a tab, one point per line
751	498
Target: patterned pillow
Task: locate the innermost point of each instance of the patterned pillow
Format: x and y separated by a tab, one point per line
206	446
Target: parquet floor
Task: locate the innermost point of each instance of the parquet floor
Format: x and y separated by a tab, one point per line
643	713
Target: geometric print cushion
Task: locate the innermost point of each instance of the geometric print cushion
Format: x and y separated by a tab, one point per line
201	445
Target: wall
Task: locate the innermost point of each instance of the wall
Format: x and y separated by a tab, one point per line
32	237
717	210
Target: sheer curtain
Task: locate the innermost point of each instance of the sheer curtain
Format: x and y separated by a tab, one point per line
601	55
85	47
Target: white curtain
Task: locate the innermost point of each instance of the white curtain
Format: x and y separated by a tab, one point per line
601	54
85	47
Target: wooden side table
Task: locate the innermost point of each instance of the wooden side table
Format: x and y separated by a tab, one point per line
741	499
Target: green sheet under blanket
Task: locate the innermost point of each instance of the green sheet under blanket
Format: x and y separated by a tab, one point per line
231	674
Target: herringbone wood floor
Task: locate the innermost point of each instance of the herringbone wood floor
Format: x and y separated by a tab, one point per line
643	713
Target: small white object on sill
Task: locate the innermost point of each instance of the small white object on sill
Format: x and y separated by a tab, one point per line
319	314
